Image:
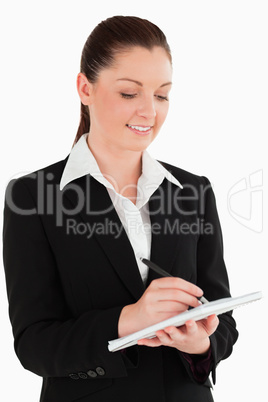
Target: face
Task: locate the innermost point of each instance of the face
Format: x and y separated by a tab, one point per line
129	102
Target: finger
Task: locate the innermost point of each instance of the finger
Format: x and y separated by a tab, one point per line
164	338
212	323
191	327
154	342
177	296
189	338
178	283
209	324
176	334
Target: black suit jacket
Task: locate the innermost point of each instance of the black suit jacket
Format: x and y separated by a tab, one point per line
67	286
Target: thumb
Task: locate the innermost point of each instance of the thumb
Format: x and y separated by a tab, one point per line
212	324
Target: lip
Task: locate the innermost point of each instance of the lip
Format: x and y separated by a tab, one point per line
138	132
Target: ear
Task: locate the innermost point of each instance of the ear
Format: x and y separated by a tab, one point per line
84	88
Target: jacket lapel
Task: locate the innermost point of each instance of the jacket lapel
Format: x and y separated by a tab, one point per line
165	242
96	209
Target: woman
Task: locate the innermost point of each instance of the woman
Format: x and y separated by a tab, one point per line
74	233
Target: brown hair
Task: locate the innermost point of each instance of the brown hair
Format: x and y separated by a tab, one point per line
110	37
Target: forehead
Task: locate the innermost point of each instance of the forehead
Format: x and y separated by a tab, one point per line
140	64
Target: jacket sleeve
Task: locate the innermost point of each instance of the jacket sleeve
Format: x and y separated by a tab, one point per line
212	276
49	340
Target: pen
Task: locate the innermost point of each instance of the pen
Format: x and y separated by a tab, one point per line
162	272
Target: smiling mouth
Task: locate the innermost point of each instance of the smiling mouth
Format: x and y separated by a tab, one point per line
140	129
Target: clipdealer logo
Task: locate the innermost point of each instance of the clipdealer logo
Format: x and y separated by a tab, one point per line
183	212
169	227
46	198
245	201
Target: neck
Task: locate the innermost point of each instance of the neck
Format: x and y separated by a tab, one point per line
122	168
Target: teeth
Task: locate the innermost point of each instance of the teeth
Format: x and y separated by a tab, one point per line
138	128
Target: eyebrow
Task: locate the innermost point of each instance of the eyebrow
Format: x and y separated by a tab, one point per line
140	83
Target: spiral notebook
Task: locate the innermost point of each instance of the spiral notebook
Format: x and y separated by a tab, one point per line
217	307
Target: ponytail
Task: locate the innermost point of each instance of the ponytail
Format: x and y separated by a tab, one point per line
84	124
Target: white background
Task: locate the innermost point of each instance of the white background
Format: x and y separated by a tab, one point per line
216	127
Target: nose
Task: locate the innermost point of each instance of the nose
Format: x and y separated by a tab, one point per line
146	108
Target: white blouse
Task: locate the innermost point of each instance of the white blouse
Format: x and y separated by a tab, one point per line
135	218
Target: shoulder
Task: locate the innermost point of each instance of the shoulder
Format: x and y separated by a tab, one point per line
197	193
186	178
39	179
52	173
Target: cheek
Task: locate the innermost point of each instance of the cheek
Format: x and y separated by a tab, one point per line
162	114
116	111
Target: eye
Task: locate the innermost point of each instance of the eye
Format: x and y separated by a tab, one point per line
127	96
161	98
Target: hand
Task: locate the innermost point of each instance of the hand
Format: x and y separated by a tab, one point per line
193	337
164	298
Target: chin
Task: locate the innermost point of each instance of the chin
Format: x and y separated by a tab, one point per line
141	144
140	147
